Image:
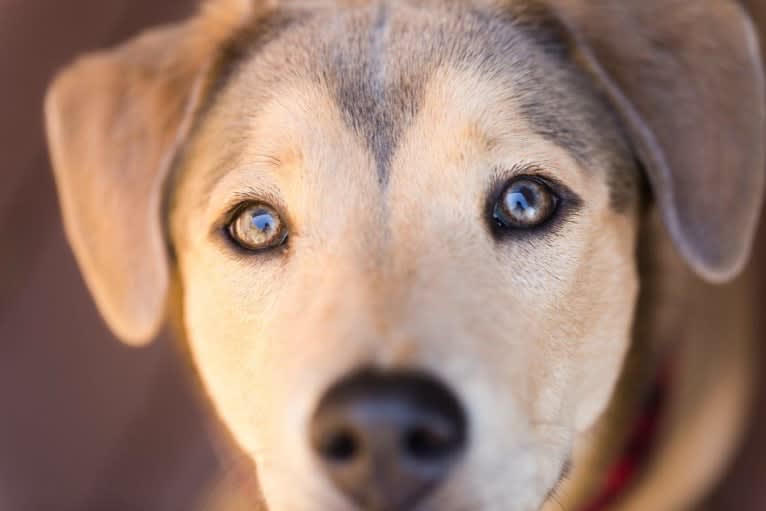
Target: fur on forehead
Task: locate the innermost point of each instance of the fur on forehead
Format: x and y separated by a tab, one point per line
516	42
218	19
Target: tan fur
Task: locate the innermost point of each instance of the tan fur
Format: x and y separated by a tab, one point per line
549	340
404	314
708	334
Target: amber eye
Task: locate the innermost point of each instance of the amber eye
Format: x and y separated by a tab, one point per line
525	203
257	227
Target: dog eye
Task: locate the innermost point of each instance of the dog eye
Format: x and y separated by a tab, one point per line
257	227
526	202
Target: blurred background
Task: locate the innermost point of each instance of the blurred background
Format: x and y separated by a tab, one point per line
85	422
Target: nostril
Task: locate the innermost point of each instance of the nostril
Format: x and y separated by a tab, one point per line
428	443
341	446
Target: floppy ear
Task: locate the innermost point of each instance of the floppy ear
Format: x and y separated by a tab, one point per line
687	80
115	121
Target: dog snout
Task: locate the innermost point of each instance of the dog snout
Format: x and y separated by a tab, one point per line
388	439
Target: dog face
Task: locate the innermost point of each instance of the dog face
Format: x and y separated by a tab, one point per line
394	256
374	193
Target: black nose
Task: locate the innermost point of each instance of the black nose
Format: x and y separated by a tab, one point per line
388	439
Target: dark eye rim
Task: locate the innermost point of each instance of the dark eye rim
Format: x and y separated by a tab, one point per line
233	241
567	203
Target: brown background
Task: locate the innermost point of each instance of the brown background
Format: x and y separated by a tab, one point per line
86	423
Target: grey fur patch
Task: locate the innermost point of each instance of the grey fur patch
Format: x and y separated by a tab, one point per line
376	102
377	58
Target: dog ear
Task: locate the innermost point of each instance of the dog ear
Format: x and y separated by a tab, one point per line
687	80
115	120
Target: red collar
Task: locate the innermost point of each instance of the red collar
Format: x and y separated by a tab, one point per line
638	447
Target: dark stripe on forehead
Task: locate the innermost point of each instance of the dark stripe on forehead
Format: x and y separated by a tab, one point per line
378	98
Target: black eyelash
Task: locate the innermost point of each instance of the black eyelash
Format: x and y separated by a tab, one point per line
568	204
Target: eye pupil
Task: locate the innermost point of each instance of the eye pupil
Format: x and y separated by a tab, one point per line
525	203
520	200
257	227
263	221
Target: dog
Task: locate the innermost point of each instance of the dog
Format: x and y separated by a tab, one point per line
436	255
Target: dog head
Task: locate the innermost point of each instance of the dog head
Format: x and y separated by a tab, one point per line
405	233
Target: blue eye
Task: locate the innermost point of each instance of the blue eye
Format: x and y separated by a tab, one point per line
264	222
258	227
526	202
